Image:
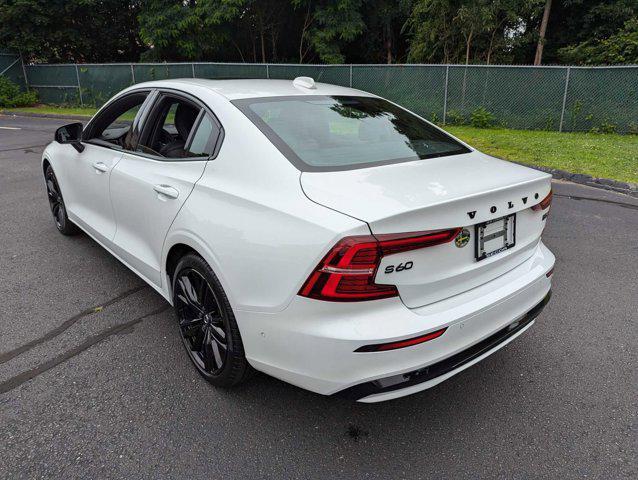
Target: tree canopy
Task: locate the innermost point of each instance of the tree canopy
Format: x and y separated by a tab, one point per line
323	31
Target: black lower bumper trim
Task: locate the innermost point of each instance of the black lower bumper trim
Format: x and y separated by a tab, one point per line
405	380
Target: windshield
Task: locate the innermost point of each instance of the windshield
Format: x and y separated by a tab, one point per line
320	133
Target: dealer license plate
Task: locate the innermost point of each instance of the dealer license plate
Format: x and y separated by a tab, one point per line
495	236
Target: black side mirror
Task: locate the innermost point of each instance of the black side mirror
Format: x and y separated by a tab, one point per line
71	133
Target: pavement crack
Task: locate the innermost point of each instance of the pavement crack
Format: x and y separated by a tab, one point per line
5	357
21	148
603	200
24	377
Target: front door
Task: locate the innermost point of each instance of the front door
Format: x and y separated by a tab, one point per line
105	138
87	195
150	186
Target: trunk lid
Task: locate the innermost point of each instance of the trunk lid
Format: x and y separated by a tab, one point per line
434	194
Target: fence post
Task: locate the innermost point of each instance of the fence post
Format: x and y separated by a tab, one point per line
24	72
350	75
77	75
267	72
193	69
562	112
447	72
132	74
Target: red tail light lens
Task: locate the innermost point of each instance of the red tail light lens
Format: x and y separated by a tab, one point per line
545	202
382	347
346	273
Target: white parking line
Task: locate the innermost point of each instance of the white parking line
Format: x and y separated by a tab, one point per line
10	128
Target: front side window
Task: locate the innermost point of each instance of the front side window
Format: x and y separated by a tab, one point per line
336	133
114	127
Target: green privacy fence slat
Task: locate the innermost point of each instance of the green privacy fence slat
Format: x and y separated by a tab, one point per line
56	84
100	82
146	73
522	98
11	67
221	70
602	99
548	98
337	74
419	88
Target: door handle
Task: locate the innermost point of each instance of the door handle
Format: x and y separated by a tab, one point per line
166	190
101	167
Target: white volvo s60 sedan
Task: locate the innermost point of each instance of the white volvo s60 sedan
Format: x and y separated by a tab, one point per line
319	234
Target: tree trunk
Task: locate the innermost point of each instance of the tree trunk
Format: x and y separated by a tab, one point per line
306	25
541	34
273	41
489	49
262	40
468	43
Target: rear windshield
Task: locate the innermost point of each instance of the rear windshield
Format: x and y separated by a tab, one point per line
318	133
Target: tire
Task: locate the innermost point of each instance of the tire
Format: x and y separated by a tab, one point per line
56	203
207	324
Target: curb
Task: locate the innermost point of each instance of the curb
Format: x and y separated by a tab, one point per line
60	116
630	189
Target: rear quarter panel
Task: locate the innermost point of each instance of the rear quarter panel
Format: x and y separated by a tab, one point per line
250	220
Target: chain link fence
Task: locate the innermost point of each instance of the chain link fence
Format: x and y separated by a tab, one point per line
11	66
523	97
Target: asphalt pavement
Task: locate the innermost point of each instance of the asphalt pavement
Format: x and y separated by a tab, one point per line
94	382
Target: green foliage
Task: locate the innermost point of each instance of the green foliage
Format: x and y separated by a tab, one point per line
11	96
178	30
605	127
454	117
334	23
468	31
320	31
585	23
71	31
482	118
621	47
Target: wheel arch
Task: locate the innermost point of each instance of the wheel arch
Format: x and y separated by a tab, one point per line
45	163
175	253
180	243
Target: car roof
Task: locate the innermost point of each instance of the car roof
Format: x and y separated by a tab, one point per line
254	88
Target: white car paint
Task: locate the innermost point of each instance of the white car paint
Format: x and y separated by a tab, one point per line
263	226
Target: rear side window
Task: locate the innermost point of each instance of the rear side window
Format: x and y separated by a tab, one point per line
203	141
179	129
319	133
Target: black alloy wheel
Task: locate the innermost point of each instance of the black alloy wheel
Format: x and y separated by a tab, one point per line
56	202
207	324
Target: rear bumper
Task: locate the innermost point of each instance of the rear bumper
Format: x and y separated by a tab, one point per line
312	343
405	383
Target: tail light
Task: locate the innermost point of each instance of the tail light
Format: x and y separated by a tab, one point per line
544	203
346	273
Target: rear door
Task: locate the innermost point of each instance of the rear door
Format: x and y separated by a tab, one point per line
151	184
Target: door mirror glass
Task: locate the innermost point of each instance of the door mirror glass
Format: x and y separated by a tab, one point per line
71	133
